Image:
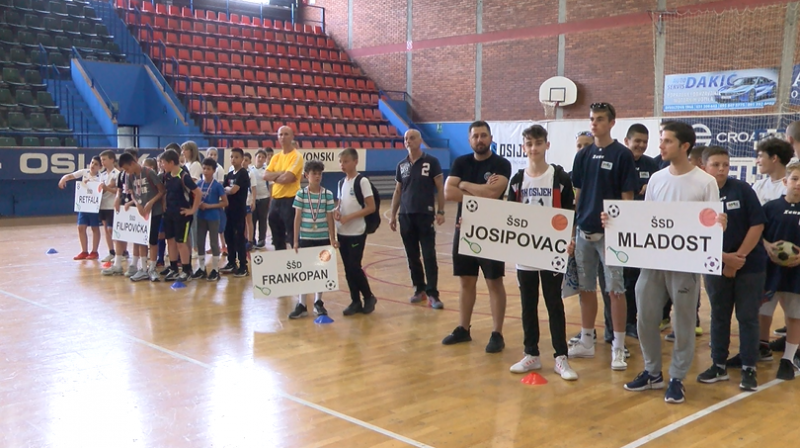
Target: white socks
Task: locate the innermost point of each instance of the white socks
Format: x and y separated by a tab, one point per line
619	340
214	262
118	261
587	337
135	262
790	351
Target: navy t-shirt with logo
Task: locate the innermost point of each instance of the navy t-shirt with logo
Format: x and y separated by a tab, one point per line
601	173
479	171
744	211
645	167
178	190
782	224
417	185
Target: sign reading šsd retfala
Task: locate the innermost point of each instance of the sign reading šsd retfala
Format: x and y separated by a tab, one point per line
669	236
499	230
735	89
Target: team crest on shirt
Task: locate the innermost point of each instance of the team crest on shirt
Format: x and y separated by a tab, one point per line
486	176
644	175
606	165
732	205
405	170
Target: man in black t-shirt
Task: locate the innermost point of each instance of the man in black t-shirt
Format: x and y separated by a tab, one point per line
483	174
418	190
237	184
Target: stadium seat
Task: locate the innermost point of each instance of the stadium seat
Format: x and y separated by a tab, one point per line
59	124
17	122
8	142
31	141
52	141
39	123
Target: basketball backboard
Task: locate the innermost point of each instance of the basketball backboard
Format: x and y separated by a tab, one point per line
558	89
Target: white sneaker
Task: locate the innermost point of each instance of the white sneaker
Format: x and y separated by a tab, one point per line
154	277
132	270
140	275
579	351
107	258
562	368
618	359
113	270
527	364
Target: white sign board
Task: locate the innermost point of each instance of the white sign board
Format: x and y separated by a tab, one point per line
88	196
670	236
131	227
507	141
286	273
330	157
529	235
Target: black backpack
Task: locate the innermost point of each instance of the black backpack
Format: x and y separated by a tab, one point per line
373	220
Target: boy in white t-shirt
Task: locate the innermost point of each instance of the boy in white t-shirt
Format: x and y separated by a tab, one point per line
351	228
219	176
251	202
542	185
108	177
91	174
262	197
680	182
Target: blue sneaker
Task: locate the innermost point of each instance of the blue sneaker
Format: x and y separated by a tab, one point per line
675	392
645	381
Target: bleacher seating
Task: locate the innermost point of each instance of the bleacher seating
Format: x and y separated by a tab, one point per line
247	77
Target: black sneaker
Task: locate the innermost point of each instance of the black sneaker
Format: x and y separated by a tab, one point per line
241	272
749	381
353	308
780	332
713	374
299	311
460	334
496	343
786	370
213	276
165	271
778	345
171	275
369	304
764	352
228	268
319	308
735	361
199	273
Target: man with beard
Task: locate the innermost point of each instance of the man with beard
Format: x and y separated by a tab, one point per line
482	174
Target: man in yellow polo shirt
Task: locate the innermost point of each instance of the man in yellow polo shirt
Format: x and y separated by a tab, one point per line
284	170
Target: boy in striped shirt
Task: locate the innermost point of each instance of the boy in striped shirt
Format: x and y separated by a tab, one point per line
313	226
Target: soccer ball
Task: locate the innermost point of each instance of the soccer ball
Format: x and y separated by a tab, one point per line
784	251
712	264
330	284
558	263
472	205
613	210
258	259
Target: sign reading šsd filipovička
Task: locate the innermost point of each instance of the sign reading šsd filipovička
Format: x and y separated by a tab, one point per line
669	236
529	235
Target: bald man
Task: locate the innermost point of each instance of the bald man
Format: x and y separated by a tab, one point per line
419	196
284	171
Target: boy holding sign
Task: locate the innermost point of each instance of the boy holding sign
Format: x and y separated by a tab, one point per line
741	284
680	182
86	219
543	185
146	193
781	239
313	226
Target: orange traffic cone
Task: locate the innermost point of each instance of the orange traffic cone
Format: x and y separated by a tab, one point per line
534	379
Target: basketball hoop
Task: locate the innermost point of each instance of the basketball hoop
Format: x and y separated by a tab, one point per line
550	109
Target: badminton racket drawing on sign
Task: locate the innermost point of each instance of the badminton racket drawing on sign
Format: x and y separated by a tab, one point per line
621	256
474	247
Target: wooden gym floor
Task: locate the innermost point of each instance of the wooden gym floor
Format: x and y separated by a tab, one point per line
89	361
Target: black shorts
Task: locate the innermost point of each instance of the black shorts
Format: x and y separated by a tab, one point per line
107	217
468	266
155	226
177	227
313	243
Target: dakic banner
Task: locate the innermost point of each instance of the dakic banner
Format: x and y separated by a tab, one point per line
735	89
507	141
286	273
517	233
670	236
87	196
131	227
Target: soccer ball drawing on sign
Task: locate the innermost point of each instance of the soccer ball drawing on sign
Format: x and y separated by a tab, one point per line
558	263
472	205
613	210
331	285
258	259
784	251
711	264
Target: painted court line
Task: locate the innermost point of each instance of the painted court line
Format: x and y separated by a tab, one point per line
698	415
196	362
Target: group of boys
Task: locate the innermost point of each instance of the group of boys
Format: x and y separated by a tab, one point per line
639	299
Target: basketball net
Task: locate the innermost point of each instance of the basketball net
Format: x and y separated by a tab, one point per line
549	109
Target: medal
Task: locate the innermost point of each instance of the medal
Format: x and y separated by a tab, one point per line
314	213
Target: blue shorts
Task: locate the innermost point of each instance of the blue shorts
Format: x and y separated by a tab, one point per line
223	219
248	210
89	219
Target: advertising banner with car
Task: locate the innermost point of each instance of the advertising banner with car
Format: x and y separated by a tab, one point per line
727	90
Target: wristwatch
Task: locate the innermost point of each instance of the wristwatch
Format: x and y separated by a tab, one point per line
440	212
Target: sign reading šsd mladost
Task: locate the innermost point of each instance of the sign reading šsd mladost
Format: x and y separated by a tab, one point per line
670	236
727	90
87	197
516	233
131	227
286	273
